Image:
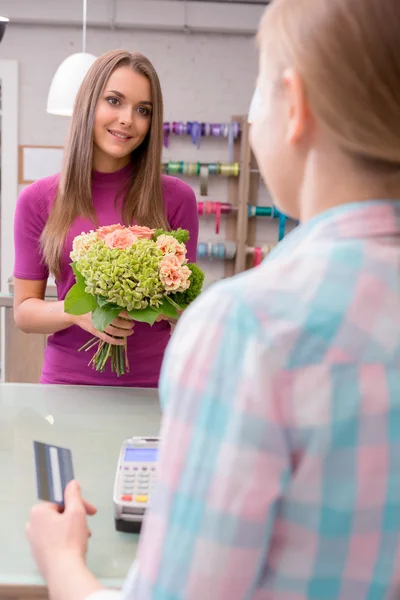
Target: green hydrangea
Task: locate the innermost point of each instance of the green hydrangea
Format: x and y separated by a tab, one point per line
196	283
128	278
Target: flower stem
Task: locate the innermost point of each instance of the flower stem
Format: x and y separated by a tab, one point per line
118	355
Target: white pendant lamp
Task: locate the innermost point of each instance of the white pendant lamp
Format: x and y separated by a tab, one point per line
254	105
3	24
68	77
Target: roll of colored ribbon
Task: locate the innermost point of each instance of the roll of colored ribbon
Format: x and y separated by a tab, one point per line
202	250
226	208
173	167
257	256
229	169
167	131
218	251
260	211
230	250
251	211
216	129
191	168
222	251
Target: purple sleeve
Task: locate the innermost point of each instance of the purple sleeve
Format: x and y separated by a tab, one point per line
29	222
184	214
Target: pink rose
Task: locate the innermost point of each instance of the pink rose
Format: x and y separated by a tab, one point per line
174	276
169	245
120	238
103	231
142	232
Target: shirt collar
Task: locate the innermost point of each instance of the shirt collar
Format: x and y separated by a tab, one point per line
362	220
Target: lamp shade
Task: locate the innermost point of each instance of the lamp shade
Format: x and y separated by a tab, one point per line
66	83
254	105
3	25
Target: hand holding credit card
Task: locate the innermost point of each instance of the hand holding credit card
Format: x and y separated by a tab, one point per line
54	471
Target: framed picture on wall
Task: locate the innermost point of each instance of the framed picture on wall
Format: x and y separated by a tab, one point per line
36	162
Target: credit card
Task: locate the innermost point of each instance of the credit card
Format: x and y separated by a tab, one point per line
54	471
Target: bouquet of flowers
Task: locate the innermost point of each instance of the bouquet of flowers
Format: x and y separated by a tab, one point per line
136	269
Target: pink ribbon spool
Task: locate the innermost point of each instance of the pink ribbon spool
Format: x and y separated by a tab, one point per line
257	256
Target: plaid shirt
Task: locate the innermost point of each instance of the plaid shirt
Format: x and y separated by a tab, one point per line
279	474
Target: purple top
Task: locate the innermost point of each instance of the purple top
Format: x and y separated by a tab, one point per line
63	364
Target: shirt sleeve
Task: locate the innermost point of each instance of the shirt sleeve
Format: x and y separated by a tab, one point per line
29	222
185	216
224	461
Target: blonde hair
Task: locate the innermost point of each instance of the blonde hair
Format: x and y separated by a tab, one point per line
143	199
347	55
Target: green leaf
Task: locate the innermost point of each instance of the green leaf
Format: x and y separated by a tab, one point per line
78	276
173	303
78	302
102	317
101	301
145	315
168	309
104	303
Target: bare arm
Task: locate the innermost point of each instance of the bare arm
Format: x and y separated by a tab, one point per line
34	314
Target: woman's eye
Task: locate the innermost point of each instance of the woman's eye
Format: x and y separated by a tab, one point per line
113	101
144	111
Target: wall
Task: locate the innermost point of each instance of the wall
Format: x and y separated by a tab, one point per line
204	76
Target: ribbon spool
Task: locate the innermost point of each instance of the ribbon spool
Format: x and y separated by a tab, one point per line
226	209
262	211
259	253
214	208
181	167
202	250
220	250
257	256
167	131
174	168
229	169
197	130
191	169
230	250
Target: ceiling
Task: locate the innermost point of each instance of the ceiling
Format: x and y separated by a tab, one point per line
262	2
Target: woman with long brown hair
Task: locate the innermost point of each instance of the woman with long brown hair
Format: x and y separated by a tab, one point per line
111	174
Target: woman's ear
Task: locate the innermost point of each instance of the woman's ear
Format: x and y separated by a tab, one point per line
299	113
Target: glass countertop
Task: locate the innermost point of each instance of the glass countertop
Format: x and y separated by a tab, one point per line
92	422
